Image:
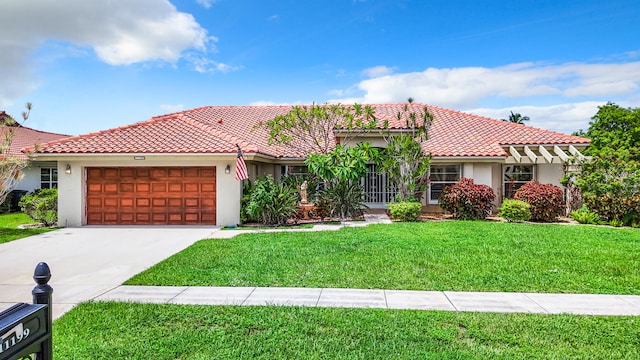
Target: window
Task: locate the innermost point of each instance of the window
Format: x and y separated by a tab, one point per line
514	177
441	176
377	187
293	170
48	178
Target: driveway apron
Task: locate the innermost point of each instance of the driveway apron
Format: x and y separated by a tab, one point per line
88	261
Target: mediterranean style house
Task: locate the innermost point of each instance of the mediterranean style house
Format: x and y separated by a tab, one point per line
179	168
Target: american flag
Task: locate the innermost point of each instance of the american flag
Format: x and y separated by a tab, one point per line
241	167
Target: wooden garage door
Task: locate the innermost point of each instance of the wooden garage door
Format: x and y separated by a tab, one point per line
151	195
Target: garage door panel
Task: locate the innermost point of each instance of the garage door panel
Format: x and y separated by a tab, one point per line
151	195
127	188
143	188
175	188
208	188
111	173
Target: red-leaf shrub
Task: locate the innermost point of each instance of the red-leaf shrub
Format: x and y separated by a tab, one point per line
546	200
466	200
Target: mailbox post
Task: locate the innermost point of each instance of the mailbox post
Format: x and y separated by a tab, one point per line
25	329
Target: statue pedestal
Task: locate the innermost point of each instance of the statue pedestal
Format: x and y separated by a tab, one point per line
305	207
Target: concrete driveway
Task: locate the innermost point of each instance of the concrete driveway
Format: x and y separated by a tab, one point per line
88	261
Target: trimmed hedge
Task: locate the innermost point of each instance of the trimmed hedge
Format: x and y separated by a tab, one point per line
405	210
546	200
515	210
466	200
41	205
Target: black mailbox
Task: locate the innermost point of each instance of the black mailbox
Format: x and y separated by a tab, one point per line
23	329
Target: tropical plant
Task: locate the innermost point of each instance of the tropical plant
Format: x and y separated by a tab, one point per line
41	205
341	170
515	210
344	199
271	203
466	200
516	118
585	216
404	161
546	200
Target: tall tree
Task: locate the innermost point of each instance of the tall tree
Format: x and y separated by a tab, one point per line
614	128
311	128
405	162
11	165
516	118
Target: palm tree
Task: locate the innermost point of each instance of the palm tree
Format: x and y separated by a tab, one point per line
517	118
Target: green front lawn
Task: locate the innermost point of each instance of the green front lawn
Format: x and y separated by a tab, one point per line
149	331
449	255
9	227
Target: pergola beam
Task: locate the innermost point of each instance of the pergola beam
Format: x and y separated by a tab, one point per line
576	153
561	154
531	154
547	156
516	155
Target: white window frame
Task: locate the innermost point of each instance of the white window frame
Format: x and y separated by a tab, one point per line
52	174
443	182
519	182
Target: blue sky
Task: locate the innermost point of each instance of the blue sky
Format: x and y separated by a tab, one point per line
92	65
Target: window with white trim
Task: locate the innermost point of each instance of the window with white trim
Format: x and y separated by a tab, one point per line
441	176
48	178
514	176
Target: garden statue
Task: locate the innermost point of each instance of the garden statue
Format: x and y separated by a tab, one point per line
303	193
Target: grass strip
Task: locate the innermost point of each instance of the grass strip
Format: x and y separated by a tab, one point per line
151	331
450	255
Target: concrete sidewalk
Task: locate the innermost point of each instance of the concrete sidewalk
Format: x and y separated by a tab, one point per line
580	304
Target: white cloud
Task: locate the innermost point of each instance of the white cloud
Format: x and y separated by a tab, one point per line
566	118
206	3
377	71
564	97
466	87
120	33
204	65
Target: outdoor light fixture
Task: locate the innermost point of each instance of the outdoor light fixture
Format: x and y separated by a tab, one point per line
67	170
227	170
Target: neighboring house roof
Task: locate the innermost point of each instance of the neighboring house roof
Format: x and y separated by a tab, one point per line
217	129
25	137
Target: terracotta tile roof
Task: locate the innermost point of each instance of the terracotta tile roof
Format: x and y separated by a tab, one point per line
217	129
25	137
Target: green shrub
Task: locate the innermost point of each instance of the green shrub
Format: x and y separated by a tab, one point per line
344	198
546	200
466	200
41	205
515	210
585	216
610	207
405	210
271	203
